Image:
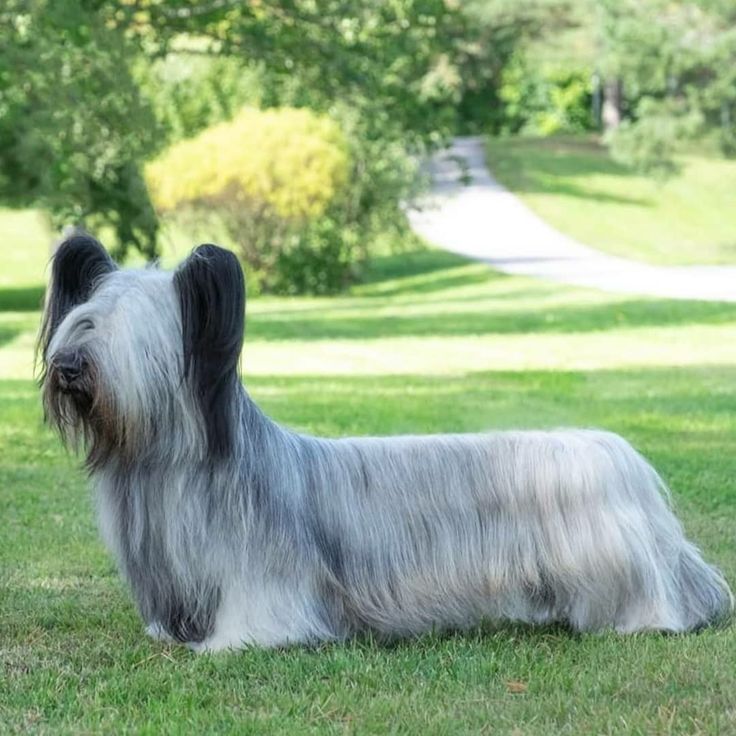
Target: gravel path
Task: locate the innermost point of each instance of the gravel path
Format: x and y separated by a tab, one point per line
470	213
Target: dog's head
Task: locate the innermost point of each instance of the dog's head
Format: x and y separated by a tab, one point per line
129	357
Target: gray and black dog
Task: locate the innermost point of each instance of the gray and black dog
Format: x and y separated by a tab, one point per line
232	530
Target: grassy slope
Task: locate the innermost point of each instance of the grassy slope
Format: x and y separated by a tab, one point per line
573	184
433	344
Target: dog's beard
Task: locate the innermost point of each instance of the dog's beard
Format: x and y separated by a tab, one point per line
85	415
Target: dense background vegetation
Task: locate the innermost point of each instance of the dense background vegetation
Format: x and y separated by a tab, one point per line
91	91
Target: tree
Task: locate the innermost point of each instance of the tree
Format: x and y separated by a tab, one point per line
384	55
74	127
79	112
496	40
677	64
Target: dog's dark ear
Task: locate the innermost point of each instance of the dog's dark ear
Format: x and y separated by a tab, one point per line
76	268
211	293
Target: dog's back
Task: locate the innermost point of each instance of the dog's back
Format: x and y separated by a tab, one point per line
569	525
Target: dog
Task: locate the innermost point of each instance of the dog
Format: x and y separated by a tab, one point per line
233	531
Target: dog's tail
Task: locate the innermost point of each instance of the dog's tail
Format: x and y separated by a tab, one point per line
705	597
697	591
689	593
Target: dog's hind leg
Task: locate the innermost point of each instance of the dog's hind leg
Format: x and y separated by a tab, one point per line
704	595
694	595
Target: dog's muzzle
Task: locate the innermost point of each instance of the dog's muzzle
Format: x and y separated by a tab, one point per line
70	367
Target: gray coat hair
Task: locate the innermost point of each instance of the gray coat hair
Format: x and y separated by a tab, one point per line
232	530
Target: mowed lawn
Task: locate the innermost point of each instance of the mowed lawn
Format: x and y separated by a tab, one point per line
431	344
573	184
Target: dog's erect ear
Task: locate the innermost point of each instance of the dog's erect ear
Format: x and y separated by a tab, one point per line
77	266
211	293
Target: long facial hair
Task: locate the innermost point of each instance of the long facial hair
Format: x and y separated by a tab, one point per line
87	417
84	415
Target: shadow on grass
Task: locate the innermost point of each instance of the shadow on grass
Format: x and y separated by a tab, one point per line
422	265
587	192
424	276
436	322
568	156
548	161
21	298
504	632
9	333
427	283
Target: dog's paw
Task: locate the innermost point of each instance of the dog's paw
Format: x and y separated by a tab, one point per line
157	632
215	644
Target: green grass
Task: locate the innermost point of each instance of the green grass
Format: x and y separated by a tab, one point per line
431	343
574	185
26	241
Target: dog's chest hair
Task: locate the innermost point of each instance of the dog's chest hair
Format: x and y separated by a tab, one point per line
178	529
151	517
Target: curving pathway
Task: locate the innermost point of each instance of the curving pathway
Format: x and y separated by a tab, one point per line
470	213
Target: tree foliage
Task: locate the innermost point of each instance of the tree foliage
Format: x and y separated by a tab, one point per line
191	91
74	127
385	55
91	89
545	100
492	46
677	62
104	97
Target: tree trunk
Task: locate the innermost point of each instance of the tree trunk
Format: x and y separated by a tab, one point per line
613	90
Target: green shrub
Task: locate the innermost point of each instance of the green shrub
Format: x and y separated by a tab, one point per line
190	92
289	163
384	173
650	141
270	176
545	100
320	258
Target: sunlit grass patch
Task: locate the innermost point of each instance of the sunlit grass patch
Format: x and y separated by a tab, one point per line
574	185
429	344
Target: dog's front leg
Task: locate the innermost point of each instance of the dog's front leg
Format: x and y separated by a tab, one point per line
265	614
157	631
179	616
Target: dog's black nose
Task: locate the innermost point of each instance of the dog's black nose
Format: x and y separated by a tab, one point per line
70	365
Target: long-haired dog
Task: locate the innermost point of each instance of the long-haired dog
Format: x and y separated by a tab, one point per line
232	530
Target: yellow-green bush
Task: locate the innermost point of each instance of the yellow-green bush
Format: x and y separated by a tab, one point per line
273	178
289	161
